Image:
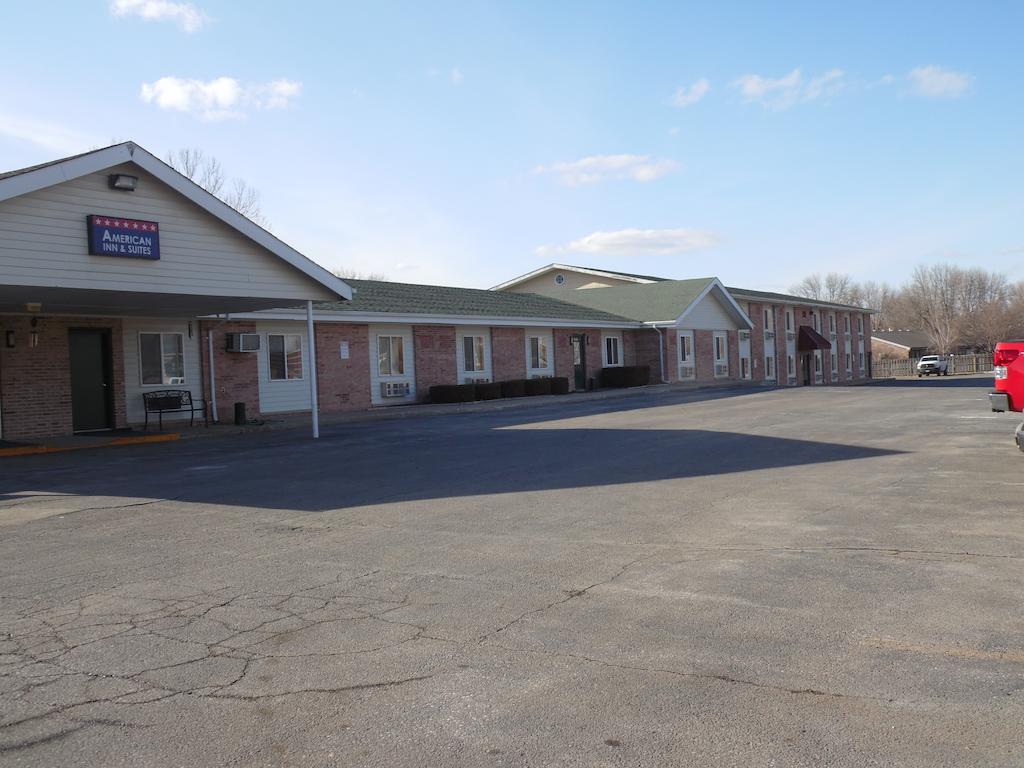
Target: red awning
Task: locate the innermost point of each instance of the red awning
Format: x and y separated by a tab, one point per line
810	340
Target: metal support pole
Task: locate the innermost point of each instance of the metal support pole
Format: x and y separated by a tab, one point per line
213	378
314	407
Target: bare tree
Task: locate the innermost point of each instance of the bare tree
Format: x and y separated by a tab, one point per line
207	172
932	295
349	273
835	287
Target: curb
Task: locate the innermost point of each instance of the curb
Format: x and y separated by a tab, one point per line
31	450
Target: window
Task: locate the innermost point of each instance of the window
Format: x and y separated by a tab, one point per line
721	347
685	348
832	322
744	367
559	279
473	353
538	352
162	358
769	319
860	324
860	361
390	355
848	366
789	319
846	323
817	363
769	367
284	354
791	365
612	351
835	363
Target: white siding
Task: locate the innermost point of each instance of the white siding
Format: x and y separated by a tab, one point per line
709	315
282	396
405	331
460	355
133	386
545	284
45	243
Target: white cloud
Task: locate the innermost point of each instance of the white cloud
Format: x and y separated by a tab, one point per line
939	83
185	15
52	137
638	242
595	168
456	75
684	97
784	92
219	99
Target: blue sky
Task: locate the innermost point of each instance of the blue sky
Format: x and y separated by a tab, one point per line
467	143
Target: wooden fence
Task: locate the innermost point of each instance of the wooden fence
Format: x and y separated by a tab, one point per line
884	369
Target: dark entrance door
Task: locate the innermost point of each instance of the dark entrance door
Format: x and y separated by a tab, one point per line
579	360
805	366
91	364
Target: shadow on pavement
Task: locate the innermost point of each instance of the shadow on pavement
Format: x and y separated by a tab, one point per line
349	470
971	381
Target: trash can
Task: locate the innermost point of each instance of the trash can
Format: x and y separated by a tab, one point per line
239	414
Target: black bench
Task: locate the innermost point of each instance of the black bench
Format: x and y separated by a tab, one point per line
172	401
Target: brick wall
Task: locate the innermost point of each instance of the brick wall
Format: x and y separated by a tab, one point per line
508	353
642	349
343	385
35	382
756	314
236	373
434	356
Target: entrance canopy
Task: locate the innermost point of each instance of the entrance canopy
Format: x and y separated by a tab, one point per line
117	231
809	340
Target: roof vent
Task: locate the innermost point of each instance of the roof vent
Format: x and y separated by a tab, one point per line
559	279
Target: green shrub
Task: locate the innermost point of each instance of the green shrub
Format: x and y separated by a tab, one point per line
538	387
453	393
559	385
514	388
489	391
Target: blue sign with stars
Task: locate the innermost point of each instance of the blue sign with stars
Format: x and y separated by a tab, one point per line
118	236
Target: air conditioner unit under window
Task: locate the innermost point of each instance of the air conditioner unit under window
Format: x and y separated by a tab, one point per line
721	369
243	342
395	389
480	380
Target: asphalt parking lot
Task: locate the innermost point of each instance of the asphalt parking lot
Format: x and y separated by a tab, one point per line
822	576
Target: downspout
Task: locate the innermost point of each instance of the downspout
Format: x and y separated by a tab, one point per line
661	355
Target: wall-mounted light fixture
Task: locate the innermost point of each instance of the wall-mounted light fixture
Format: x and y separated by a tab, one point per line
123	182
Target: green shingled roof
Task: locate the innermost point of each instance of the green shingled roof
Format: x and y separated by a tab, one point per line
410	299
651	302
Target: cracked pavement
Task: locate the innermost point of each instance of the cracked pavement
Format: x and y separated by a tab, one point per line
826	576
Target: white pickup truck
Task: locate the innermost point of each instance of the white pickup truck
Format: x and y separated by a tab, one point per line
930	364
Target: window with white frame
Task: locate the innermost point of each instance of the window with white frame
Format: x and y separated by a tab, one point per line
538	353
860	361
849	367
832	322
817	362
769	368
720	342
835	363
687	366
846	323
860	324
789	319
769	319
790	366
390	356
612	351
161	358
284	356
474	354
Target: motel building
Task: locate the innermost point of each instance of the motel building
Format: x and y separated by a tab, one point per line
120	278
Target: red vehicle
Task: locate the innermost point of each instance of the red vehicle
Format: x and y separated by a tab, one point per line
1008	362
